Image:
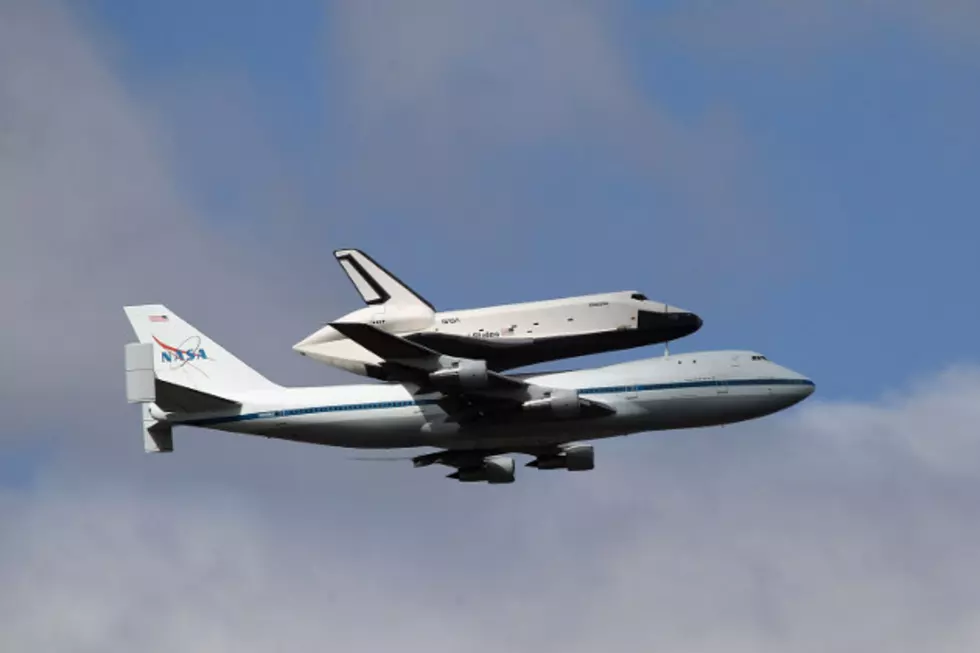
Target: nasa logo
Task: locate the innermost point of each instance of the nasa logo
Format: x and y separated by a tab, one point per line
182	354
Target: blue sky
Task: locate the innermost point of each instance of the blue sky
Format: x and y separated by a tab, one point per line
801	175
847	260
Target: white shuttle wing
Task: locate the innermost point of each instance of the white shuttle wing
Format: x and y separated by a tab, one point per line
417	362
470	390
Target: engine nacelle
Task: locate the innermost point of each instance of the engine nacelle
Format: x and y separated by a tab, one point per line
574	458
465	374
579	458
494	470
561	403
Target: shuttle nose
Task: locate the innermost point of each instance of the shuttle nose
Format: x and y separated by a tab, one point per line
694	321
671	324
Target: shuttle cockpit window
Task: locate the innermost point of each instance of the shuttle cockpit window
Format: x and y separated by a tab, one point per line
639	297
759	357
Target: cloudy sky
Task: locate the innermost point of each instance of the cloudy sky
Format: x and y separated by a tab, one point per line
802	175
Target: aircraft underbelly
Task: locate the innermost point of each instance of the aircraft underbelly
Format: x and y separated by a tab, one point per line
401	428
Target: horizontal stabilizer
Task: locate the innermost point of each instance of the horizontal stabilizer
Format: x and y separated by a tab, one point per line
158	436
179	399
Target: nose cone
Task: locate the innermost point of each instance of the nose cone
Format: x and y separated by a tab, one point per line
803	389
668	325
798	386
693	321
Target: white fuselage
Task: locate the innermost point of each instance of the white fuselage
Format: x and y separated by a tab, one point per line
679	391
512	335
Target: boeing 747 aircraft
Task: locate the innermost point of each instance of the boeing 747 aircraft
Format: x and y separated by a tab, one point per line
506	337
476	418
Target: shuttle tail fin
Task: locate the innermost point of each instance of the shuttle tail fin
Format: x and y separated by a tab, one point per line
376	285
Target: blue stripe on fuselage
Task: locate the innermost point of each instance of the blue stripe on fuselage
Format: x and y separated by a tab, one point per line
382	405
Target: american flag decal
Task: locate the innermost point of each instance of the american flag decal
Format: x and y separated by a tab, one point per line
158	318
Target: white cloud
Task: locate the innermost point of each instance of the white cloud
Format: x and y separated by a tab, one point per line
834	528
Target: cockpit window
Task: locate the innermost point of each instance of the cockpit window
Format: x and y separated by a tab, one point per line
759	357
639	296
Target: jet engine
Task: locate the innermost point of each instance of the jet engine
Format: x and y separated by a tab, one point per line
465	374
561	403
574	458
494	470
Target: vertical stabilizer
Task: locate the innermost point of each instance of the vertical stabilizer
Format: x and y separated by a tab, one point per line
376	285
184	357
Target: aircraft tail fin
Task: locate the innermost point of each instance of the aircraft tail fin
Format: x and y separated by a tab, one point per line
187	363
376	285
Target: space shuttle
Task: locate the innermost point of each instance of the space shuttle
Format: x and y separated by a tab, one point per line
505	337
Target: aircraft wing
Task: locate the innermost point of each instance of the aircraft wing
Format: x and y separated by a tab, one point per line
414	361
470	390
